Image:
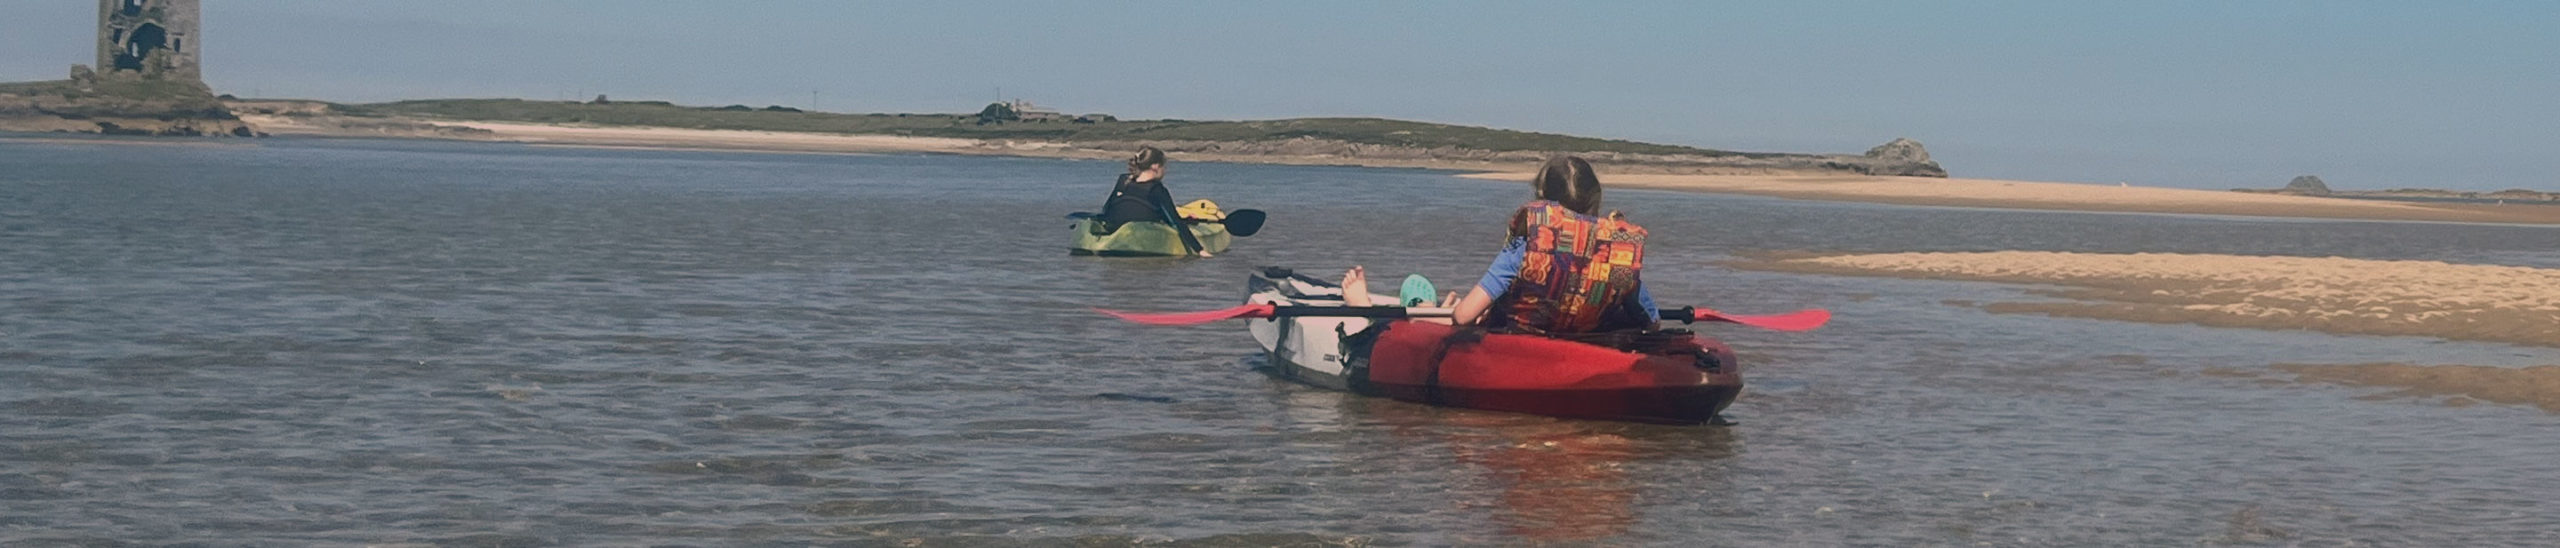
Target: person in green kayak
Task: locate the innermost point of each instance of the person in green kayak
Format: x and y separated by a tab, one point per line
1567	269
1140	197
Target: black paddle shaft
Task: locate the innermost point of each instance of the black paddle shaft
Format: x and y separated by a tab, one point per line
1684	314
1350	311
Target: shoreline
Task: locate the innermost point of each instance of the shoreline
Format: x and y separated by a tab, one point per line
1777	183
2079	197
2506	304
44	138
667	138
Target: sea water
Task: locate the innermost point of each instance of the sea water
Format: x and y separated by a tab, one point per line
290	341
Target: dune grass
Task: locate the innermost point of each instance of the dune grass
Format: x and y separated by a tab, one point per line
1376	131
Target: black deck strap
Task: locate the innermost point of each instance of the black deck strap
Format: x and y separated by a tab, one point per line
1664	341
1631	340
1355	356
1284	273
1431	383
1280	347
1311	280
1706	361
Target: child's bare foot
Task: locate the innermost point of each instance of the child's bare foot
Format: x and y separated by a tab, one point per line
1355	287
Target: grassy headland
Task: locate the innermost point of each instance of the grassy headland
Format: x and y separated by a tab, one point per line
1372	131
998	131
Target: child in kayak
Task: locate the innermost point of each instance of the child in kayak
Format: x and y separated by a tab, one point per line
1140	196
1566	270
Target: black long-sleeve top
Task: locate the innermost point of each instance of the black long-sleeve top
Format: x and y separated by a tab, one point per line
1132	200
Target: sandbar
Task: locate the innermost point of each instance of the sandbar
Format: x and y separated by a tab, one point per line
2508	304
1928	191
2003	194
2537	386
667	138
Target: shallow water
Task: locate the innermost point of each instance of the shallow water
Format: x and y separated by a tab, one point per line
337	342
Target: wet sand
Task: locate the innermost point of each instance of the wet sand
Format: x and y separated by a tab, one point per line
2329	294
2002	194
1873	189
2537	386
666	138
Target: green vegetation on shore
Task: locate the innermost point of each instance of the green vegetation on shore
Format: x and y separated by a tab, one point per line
1374	131
119	97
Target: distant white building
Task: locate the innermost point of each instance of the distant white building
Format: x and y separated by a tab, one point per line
1028	112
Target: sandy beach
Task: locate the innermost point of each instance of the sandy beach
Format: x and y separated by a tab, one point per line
1993	193
2451	385
667	138
2331	294
2328	294
1929	191
2462	385
647	137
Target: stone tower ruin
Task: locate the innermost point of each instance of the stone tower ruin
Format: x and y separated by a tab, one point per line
152	38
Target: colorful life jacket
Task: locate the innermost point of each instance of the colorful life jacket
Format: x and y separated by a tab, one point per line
1576	269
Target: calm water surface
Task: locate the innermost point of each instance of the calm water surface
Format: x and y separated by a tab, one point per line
348	342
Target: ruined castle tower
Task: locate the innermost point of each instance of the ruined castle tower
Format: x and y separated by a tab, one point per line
154	38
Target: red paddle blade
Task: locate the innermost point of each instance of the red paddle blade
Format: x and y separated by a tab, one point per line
1801	320
1193	318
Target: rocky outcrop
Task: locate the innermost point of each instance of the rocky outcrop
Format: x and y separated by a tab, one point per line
117	106
1902	157
2308	185
1901	150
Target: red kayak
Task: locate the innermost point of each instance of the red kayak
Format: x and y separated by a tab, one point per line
1672	377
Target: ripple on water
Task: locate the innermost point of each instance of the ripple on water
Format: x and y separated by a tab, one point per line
891	507
335	343
65	406
760	423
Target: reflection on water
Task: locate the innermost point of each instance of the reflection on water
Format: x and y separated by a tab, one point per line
1558	482
353	342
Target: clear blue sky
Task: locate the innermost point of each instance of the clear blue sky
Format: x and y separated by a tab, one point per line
2459	94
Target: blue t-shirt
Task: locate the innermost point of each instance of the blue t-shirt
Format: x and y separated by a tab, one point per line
1506	267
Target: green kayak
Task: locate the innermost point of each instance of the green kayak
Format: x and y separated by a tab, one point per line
1145	238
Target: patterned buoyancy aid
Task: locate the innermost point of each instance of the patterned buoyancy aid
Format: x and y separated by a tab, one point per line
1576	269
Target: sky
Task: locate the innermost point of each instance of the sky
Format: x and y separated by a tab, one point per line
2367	95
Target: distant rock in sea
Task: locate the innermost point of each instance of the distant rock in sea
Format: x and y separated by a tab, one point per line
2309	185
1905	150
